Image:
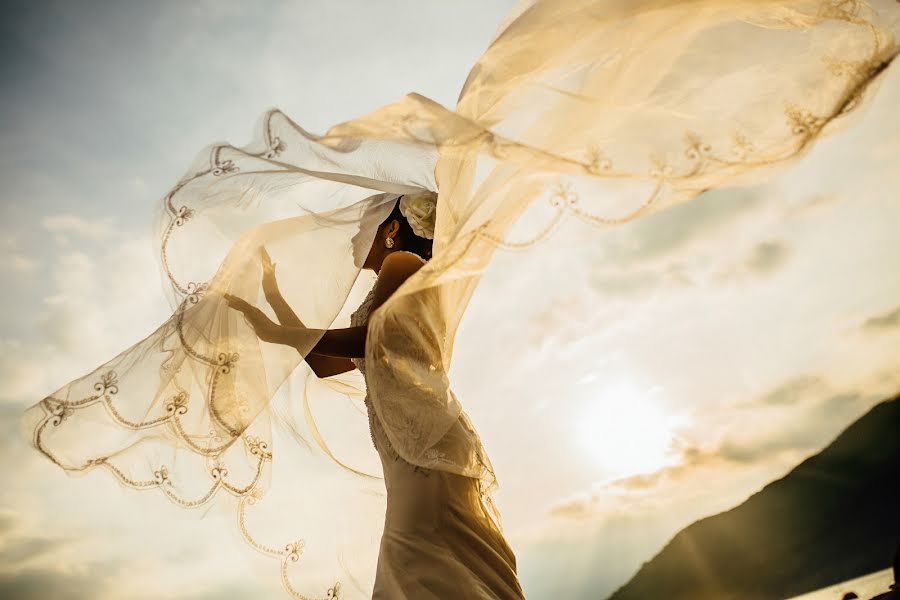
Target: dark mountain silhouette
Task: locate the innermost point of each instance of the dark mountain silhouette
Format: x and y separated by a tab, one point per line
834	517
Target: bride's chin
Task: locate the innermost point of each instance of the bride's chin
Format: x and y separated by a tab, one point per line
361	264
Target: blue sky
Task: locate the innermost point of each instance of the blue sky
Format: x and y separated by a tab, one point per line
679	364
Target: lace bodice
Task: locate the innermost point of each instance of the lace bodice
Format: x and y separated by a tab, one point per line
360	317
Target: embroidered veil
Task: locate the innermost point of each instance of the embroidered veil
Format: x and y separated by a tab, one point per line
599	111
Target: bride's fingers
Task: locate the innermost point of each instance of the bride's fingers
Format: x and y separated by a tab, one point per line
265	258
237	303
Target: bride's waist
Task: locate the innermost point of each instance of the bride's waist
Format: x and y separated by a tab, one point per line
405	482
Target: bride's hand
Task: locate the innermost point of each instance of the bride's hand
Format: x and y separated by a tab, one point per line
262	325
269	282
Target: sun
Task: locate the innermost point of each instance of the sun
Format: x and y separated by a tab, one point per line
626	432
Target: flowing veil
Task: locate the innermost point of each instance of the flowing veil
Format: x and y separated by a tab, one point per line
599	111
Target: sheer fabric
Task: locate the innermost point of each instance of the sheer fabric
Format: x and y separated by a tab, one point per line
601	111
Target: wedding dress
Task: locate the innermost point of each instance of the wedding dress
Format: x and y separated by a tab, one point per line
438	542
598	111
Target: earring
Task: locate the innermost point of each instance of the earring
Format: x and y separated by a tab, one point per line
389	242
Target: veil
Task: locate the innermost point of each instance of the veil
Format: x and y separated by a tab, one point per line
599	111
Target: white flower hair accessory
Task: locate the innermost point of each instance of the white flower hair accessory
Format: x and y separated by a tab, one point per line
420	210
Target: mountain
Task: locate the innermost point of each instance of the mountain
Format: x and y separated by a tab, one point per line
834	517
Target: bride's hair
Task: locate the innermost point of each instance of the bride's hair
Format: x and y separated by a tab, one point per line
411	242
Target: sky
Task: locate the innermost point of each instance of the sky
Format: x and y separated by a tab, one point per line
678	365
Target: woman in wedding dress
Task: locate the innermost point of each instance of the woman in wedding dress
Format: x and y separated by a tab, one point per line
438	541
602	111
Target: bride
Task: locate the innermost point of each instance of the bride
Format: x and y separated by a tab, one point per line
599	111
438	541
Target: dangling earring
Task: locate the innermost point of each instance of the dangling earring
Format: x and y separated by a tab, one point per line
389	242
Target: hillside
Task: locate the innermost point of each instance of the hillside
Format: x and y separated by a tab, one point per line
834	517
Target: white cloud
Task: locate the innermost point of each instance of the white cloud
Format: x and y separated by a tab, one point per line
11	259
18	263
884	322
97	230
98	304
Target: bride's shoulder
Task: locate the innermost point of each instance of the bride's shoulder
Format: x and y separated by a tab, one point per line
403	261
408	254
396	268
400	265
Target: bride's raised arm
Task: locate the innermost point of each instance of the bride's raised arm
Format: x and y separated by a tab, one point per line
343	343
283	310
321	365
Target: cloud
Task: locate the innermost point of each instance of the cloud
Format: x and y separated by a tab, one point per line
762	260
676	249
636	494
811	204
692	458
230	591
17	551
98	303
11	259
627	520
9	520
639	281
793	391
798	417
761	448
30	569
41	584
801	414
767	257
794	419
883	322
707	240
580	506
18	263
661	234
96	230
644	481
99	300
563	561
120	554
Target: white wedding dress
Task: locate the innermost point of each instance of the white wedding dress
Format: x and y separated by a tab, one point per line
438	541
